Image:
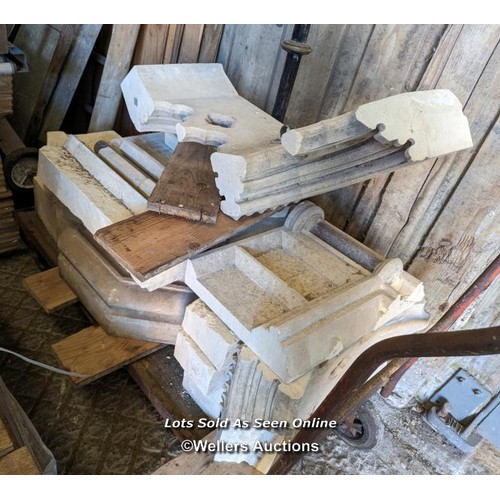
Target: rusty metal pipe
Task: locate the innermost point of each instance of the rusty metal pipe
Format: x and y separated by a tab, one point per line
478	342
479	286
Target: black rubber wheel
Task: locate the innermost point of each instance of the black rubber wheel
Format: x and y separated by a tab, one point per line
363	433
20	168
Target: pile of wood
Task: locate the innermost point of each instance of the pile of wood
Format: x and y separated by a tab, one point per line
6	70
9	232
5	90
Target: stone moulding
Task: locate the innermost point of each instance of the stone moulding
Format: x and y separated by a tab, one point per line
256	171
120	306
198	103
297	302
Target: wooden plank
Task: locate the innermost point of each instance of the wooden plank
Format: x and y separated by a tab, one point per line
118	59
409	205
210	42
6	443
387	53
4	44
160	377
173	43
203	464
150	243
61	52
252	57
186	188
69	79
93	352
314	72
151	41
50	290
18	462
465	238
37	237
191	43
9	140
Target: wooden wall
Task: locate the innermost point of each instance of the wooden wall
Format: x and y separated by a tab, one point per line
440	216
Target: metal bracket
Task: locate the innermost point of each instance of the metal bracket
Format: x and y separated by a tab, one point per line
461	406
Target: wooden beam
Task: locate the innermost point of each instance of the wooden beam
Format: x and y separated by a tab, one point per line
186	187
19	462
191	43
4	44
120	52
150	243
173	43
160	377
50	290
151	42
93	353
210	42
61	51
69	79
6	443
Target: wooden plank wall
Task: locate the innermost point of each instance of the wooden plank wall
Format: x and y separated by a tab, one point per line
440	216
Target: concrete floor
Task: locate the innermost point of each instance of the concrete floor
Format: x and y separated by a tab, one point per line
109	427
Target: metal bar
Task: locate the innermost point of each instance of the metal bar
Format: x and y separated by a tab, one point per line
463	343
479	286
296	48
347	245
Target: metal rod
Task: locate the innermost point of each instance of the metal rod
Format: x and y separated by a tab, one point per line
479	286
296	48
462	343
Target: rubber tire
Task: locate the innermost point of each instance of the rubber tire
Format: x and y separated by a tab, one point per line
371	430
23	197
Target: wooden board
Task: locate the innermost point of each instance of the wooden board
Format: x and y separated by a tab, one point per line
474	75
4	45
386	54
186	188
66	38
173	43
118	59
253	60
191	43
160	377
6	443
18	462
150	47
210	42
9	140
465	239
150	243
50	290
94	353
69	78
203	464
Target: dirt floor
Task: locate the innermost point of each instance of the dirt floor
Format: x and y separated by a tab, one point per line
109	427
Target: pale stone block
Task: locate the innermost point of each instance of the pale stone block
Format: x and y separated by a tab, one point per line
106	176
198	103
432	120
212	336
84	196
